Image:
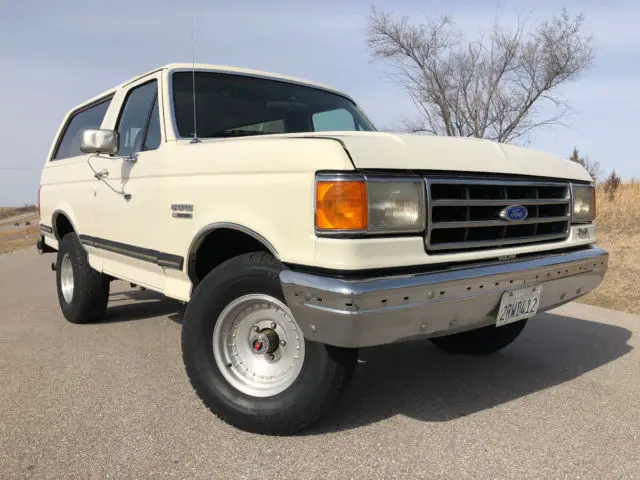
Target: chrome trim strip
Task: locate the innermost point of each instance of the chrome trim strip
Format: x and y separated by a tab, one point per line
358	313
497	202
489	181
340	177
499	223
497	243
399	282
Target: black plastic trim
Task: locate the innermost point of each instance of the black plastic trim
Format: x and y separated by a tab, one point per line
147	255
46	228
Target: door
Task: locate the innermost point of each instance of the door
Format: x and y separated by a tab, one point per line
131	199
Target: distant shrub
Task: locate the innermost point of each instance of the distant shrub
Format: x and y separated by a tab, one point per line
611	185
592	166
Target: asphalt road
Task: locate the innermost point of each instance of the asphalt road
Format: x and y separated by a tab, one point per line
111	400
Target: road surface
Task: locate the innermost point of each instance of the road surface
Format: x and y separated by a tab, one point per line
111	400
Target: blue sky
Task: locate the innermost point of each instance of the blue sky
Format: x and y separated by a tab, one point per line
57	54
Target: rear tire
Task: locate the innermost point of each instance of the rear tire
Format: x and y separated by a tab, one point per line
83	293
237	307
482	341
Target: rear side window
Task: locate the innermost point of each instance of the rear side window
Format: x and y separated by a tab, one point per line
88	118
139	124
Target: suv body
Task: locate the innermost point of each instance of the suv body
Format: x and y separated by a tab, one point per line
334	235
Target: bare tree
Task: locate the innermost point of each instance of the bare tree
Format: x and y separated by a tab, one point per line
490	88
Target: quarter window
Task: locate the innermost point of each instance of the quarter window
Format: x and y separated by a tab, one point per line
139	125
85	119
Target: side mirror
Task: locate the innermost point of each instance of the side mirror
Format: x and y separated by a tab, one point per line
100	141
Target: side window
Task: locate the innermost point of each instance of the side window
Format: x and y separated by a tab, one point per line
69	144
137	126
333	120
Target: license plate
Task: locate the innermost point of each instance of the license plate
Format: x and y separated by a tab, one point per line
518	305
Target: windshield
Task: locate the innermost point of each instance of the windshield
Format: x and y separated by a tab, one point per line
237	105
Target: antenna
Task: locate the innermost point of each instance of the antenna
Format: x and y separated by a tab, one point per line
193	74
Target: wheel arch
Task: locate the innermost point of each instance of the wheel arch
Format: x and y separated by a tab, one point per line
61	223
237	239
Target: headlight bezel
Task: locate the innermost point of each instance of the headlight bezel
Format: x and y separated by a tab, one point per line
372	230
578	193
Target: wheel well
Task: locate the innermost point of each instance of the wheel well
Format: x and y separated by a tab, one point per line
62	225
218	246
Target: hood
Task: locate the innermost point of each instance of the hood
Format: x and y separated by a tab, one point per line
378	150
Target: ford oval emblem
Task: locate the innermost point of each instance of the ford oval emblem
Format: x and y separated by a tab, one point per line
513	213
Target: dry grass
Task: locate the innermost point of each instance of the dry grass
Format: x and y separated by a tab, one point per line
16	238
6	212
17	244
618	231
620	215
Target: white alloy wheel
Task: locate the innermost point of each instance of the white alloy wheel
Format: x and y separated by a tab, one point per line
67	281
258	346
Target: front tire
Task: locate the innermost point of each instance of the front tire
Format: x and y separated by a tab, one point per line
481	341
83	293
248	360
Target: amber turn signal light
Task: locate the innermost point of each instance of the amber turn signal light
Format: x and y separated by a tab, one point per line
341	205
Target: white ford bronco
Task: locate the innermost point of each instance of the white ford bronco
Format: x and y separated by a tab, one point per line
296	233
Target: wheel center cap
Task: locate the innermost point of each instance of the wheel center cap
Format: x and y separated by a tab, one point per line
260	344
265	342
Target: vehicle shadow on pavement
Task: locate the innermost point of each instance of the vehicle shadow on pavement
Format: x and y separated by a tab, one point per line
418	380
138	305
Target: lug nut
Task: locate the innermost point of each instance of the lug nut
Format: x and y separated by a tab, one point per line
270	356
256	328
273	325
283	343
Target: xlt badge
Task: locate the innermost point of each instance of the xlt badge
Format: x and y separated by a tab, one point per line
182	210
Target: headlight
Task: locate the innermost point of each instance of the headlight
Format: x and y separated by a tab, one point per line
584	203
369	205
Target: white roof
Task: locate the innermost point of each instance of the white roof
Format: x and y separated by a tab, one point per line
248	71
221	69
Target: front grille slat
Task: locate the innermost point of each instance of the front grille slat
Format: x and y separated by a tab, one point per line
498	223
495	243
488	203
464	214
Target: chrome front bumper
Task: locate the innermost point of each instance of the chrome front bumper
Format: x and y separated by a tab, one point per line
361	313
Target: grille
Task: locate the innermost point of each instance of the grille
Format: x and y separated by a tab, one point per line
465	214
